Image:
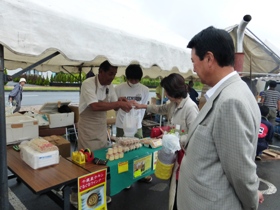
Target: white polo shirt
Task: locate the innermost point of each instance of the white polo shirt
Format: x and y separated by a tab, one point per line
139	93
92	91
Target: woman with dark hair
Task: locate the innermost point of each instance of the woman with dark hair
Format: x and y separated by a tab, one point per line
180	111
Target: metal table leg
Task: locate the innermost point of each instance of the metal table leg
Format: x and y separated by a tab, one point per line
66	198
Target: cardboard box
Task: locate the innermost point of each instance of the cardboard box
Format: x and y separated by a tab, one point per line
46	131
63	145
37	159
57	119
111	114
20	128
75	109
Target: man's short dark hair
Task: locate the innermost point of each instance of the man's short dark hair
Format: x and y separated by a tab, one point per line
134	71
272	84
264	110
105	66
217	41
175	86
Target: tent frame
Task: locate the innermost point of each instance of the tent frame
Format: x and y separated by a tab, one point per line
4	200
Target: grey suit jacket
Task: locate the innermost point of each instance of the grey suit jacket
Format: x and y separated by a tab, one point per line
218	171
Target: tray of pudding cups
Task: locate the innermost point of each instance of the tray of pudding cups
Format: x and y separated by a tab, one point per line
115	153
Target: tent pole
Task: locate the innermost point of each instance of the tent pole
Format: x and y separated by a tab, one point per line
251	85
32	66
4	201
80	78
263	43
69	72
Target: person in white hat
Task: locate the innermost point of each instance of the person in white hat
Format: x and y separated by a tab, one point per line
15	96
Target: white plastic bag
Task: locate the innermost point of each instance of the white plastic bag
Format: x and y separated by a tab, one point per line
9	109
130	123
170	143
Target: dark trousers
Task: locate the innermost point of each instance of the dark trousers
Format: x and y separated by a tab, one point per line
262	145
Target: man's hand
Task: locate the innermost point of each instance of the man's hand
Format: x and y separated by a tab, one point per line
122	99
261	198
139	106
125	106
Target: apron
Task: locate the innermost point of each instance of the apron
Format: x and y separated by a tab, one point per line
92	127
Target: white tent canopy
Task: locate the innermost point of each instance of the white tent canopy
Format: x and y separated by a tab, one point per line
86	33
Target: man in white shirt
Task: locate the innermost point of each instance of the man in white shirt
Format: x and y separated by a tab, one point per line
132	90
97	97
218	170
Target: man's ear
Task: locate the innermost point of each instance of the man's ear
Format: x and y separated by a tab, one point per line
210	59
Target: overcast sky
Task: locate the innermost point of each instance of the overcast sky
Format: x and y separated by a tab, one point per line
187	17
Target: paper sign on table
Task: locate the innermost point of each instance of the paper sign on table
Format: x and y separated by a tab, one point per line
141	165
155	157
123	167
92	191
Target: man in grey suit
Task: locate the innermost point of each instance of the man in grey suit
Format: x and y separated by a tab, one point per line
218	171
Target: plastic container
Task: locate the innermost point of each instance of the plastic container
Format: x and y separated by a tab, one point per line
37	159
166	158
163	171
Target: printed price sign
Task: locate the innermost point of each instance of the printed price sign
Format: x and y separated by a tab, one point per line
123	167
142	165
92	191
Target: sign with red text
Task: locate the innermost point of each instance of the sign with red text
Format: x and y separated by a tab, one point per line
92	191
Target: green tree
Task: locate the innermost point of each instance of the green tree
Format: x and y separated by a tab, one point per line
52	78
47	82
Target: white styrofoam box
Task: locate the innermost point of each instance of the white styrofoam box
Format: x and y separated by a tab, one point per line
61	119
20	128
37	159
57	119
42	118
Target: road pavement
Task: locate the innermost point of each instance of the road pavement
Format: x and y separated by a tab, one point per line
39	98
